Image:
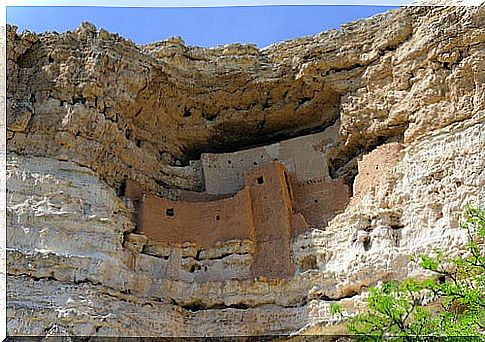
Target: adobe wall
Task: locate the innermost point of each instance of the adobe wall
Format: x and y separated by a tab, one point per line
133	191
194	196
302	156
376	167
262	212
319	201
272	211
203	223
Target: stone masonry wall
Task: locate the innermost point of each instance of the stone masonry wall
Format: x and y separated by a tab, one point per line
261	212
303	156
376	167
320	200
272	210
203	223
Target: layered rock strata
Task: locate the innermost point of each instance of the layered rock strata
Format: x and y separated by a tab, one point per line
87	110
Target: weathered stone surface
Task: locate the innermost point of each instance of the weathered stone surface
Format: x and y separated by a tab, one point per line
304	158
60	240
102	101
87	109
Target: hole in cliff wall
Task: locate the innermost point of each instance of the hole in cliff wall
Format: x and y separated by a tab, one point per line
309	262
121	190
199	306
79	99
194	268
228	136
367	243
169	212
209	116
29	58
260	180
396	234
218	217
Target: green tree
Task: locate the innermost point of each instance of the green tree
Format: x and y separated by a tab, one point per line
450	303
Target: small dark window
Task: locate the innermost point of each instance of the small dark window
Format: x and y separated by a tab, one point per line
122	188
218	218
229	162
262	157
170	212
377	167
187	112
255	163
367	243
315	200
260	180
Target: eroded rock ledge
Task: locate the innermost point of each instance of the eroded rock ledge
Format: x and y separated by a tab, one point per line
101	101
87	110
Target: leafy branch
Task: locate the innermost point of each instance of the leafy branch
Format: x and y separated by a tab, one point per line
450	303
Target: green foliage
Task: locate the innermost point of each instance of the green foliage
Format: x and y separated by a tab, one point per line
336	309
451	303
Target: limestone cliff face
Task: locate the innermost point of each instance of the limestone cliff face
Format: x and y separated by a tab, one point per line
87	110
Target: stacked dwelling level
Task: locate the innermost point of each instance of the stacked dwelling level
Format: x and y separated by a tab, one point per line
267	195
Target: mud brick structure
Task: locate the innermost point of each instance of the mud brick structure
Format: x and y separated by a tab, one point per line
376	168
319	200
262	212
272	211
303	157
268	195
203	223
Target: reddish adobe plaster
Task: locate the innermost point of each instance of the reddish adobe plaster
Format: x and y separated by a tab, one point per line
262	212
271	209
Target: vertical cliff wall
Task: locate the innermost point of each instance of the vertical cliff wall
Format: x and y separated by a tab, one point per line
87	110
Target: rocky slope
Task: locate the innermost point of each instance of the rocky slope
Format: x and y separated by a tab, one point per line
88	109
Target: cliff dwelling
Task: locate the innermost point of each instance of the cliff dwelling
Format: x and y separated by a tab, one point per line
268	195
174	190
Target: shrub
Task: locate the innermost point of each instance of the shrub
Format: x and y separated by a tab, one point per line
450	303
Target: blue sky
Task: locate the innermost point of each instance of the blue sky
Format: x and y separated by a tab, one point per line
262	25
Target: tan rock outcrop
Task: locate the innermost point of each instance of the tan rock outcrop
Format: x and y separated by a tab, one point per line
87	110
